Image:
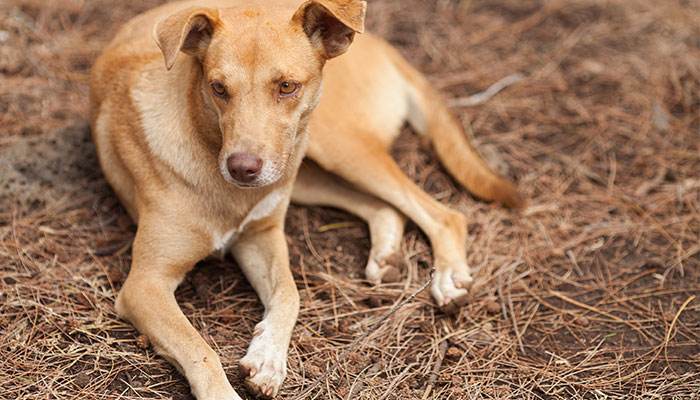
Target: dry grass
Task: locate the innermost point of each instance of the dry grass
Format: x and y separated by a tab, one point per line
589	293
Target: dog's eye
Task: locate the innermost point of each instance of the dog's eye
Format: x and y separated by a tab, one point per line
288	88
218	88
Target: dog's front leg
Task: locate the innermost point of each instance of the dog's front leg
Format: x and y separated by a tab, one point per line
263	257
162	255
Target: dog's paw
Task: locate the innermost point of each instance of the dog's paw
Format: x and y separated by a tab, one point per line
383	270
264	367
208	380
264	372
449	288
216	391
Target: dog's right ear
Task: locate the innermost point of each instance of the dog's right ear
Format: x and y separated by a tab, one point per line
188	30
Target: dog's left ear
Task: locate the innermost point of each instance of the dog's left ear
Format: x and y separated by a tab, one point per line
331	24
188	30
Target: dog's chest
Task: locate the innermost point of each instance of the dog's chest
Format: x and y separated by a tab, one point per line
264	208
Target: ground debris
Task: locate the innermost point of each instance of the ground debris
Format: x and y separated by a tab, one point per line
594	280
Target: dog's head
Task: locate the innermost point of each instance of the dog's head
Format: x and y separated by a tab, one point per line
260	75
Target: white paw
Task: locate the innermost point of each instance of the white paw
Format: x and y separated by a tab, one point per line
265	365
450	286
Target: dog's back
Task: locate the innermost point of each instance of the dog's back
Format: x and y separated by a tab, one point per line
373	90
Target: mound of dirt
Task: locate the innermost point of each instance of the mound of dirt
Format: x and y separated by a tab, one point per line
40	170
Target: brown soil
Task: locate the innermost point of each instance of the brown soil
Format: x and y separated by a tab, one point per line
587	293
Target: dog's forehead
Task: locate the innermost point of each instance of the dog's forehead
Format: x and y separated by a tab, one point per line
251	10
242	20
251	39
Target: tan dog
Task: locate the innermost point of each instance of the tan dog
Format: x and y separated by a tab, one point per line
203	151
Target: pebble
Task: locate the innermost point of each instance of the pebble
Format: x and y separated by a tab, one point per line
142	342
81	380
453	353
492	306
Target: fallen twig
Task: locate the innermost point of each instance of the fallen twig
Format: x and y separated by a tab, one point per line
486	95
436	369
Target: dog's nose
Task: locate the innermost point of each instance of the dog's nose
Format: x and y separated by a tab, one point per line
244	167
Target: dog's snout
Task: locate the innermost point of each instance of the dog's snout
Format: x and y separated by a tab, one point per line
244	167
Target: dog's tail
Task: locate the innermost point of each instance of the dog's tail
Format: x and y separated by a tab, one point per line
429	116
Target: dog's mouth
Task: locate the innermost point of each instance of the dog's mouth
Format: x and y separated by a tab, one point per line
243	185
257	183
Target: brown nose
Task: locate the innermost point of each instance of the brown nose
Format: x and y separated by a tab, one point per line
244	167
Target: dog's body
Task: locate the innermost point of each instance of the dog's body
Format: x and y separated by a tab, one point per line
204	153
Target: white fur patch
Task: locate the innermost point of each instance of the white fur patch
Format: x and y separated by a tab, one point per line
102	125
166	127
263	209
223	242
416	114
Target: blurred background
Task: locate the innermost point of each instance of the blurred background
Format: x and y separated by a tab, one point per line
587	293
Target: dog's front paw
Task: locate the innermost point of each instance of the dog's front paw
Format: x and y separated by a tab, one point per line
264	372
264	367
214	391
450	286
208	381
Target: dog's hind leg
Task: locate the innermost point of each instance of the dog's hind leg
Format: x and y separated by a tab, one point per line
314	186
363	160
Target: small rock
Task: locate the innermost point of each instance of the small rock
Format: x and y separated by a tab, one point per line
142	342
453	353
391	275
660	118
492	306
593	67
374	301
73	324
345	326
354	358
81	380
313	371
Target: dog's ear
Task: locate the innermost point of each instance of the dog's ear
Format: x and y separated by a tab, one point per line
331	24
188	30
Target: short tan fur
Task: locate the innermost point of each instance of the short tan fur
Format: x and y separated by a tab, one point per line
202	112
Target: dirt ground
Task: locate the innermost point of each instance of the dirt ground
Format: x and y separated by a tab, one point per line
590	292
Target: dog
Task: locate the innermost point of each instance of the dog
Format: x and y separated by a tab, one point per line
202	113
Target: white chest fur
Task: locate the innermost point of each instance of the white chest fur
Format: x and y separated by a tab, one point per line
264	208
